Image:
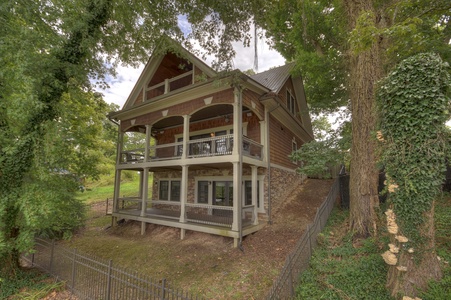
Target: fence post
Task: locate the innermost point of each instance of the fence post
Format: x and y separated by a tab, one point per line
163	288
106	209
74	258
309	240
290	264
108	283
52	250
32	259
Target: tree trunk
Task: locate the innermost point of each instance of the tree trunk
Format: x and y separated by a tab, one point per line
421	266
365	71
18	161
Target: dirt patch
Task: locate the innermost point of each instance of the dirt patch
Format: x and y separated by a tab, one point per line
203	263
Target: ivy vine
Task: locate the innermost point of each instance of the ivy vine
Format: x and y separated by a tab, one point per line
414	105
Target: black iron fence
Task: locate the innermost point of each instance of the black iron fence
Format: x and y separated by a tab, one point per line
89	277
298	260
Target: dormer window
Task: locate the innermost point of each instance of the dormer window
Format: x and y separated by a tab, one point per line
290	102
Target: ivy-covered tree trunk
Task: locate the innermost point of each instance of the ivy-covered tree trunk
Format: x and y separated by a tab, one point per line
16	162
364	72
414	102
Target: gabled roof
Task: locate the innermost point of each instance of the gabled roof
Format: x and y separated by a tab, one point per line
155	60
274	78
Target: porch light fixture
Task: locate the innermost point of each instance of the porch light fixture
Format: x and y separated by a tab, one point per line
226	119
161	131
249	114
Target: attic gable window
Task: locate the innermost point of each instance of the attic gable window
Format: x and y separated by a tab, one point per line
290	102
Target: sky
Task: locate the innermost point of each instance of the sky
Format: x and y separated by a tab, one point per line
121	86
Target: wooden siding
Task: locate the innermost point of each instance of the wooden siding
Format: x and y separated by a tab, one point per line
281	144
186	108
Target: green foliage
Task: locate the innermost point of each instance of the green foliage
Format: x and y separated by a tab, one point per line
326	152
414	101
23	279
317	158
442	289
340	269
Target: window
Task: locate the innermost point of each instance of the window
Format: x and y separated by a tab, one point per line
218	191
202	192
164	190
223	193
248	193
291	102
175	191
169	190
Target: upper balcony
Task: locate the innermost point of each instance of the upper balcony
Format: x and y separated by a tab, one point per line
169	85
197	148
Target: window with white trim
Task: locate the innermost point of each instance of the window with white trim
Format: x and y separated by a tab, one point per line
169	190
218	191
291	102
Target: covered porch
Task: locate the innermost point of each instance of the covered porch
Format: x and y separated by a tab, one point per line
215	198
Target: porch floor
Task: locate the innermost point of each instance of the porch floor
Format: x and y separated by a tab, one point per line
212	224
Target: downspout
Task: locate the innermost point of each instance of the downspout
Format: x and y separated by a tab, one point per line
269	163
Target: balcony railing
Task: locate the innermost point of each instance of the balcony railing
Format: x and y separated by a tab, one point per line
216	215
206	147
168	85
218	145
132	156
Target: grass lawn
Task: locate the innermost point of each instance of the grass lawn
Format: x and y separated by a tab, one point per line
97	193
339	269
345	269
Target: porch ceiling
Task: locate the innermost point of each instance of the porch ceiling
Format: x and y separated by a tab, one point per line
206	113
217	166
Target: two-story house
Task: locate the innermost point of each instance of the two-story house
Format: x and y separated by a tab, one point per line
217	145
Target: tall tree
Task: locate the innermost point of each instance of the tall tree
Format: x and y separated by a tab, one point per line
49	52
414	101
342	48
362	39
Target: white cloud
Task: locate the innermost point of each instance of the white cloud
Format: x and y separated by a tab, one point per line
122	85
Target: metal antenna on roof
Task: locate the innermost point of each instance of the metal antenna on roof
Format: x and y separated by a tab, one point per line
255	49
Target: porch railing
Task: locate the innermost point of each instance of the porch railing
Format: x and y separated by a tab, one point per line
206	147
252	149
132	156
168	85
209	214
217	145
166	151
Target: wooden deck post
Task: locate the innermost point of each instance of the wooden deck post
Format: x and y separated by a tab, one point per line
183	194
117	187
145	192
185	136
237	166
254	195
147	146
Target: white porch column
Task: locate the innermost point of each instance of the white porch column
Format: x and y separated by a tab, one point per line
237	122
183	193
117	185
147	146
185	135
140	189
254	195
120	145
237	198
263	138
144	195
183	199
237	166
